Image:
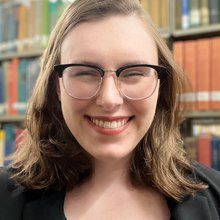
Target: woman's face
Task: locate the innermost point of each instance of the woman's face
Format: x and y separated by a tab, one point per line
109	126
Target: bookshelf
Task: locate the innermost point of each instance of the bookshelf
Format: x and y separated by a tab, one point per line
25	54
12	118
166	14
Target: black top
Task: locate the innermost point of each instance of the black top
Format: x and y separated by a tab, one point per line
17	203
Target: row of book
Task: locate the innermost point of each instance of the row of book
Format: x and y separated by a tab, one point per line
159	11
196	13
17	79
8	134
26	24
204	145
200	60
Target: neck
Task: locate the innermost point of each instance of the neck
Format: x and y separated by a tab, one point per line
112	173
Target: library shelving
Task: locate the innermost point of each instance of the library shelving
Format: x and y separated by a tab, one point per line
179	21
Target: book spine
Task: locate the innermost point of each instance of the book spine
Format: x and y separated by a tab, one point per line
204	149
214	11
9	142
203	74
215	73
204	12
2	101
194	18
190	69
185	14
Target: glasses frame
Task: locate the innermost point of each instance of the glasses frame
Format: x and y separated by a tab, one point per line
160	70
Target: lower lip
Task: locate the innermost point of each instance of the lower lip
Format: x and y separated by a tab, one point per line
109	131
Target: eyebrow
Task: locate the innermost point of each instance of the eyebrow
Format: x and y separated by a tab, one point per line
118	66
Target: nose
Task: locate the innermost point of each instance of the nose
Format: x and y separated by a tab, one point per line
109	96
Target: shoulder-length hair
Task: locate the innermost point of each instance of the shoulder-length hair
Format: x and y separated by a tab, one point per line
50	156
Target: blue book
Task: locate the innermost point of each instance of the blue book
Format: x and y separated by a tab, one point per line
215	152
9	142
218	154
185	14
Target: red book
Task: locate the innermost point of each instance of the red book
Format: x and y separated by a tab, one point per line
203	74
204	149
13	86
190	69
178	52
215	73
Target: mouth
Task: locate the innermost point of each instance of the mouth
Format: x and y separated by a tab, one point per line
109	123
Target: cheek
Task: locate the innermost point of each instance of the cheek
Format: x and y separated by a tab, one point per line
145	111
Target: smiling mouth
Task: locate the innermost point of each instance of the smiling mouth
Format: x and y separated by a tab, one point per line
113	124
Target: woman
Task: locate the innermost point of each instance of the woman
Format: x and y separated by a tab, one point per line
103	139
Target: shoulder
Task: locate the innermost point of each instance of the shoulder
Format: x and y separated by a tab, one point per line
209	176
11	199
17	202
12	196
204	204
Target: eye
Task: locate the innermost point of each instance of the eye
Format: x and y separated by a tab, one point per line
85	74
131	74
79	73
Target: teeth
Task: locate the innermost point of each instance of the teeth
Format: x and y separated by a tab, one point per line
108	124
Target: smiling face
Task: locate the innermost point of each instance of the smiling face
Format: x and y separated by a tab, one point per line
109	126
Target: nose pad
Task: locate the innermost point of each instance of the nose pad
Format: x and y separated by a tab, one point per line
109	95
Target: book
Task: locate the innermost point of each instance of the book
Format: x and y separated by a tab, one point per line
13	86
145	5
203	74
204	149
9	142
190	68
178	14
5	66
178	52
22	84
194	15
215	73
204	12
215	153
2	101
22	27
214	11
185	14
154	12
163	14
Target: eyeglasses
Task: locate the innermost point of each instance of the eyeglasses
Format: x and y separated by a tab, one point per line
136	82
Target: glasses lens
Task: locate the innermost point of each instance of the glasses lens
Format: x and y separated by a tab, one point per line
81	81
138	82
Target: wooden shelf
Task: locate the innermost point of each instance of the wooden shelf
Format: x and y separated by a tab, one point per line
27	54
11	118
203	114
210	29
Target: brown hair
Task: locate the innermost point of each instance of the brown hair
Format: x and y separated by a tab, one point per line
51	157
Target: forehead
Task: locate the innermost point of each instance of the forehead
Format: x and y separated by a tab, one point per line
113	38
